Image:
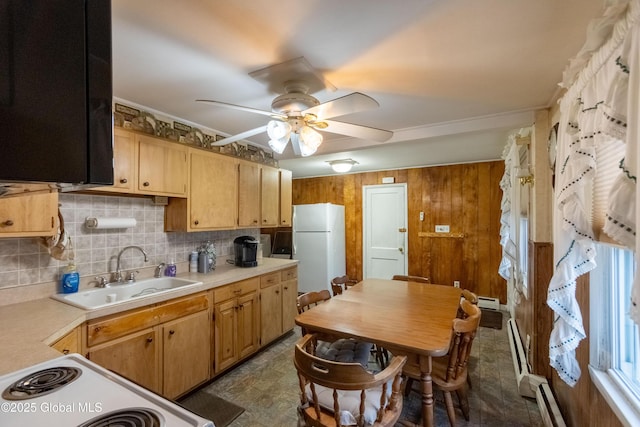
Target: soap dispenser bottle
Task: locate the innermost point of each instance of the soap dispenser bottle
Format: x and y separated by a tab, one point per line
171	269
70	279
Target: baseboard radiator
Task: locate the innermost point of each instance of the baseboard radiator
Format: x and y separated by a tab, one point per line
490	303
530	385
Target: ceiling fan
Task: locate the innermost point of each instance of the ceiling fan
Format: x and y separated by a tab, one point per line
298	116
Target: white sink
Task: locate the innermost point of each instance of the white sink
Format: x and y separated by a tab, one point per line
94	298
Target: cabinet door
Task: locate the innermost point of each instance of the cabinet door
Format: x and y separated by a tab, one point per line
162	167
213	191
270	196
289	310
33	215
185	353
249	195
285	197
69	343
248	324
135	357
123	162
270	313
225	334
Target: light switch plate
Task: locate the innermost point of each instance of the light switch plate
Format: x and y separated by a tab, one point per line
442	228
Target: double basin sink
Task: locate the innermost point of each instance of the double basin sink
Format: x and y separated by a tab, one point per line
95	298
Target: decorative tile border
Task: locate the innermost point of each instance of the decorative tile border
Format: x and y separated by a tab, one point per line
142	121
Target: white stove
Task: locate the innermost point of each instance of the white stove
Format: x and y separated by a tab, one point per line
73	391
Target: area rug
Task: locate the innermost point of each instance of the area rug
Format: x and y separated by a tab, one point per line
211	407
491	319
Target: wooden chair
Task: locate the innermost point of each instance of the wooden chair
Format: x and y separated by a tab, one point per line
469	296
341	284
449	373
336	394
328	347
404	278
473	299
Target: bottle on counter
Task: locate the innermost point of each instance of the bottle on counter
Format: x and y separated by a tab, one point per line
70	279
193	262
171	269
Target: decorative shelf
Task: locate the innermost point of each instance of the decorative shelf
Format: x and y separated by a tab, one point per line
447	235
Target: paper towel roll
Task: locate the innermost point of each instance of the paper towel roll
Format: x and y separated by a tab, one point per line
110	222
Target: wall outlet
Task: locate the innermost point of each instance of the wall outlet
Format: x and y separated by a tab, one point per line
421	216
442	228
456	283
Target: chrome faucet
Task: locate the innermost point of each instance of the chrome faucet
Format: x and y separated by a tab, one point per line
159	270
118	274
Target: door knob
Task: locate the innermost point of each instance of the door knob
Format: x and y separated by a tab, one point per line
401	250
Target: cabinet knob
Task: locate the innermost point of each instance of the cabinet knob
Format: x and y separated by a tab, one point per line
171	332
123	181
146	183
286	288
196	222
66	351
277	291
149	339
8	223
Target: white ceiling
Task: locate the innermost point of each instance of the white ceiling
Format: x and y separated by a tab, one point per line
452	77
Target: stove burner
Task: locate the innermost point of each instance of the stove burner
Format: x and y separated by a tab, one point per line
41	382
129	417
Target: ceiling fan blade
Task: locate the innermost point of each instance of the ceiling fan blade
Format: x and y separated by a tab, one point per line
357	131
348	104
238	137
241	108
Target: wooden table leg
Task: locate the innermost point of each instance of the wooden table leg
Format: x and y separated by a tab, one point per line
427	391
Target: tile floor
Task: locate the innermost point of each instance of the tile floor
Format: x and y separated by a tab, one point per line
267	387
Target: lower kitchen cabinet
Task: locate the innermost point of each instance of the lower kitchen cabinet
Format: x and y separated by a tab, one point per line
185	353
135	357
236	322
278	295
70	343
163	347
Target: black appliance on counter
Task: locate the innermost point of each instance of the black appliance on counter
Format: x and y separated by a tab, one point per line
56	123
246	249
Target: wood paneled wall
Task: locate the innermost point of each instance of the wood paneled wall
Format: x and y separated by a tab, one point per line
466	197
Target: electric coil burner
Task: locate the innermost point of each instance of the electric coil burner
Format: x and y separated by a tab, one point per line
40	383
131	417
73	391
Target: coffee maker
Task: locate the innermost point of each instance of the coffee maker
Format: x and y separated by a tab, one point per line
246	249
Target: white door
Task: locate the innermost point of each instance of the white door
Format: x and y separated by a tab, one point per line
384	230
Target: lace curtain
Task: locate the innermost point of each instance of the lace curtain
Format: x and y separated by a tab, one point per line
593	133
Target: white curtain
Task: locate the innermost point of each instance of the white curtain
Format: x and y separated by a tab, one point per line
596	116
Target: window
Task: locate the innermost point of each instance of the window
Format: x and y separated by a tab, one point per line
614	344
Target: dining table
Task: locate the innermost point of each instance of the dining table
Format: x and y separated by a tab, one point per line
406	318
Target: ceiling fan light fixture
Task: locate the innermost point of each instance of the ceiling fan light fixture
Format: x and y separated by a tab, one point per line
310	137
278	145
277	130
342	166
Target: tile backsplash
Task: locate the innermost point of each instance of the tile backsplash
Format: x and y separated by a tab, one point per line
25	261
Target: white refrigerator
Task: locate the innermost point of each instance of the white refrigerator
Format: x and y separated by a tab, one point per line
318	245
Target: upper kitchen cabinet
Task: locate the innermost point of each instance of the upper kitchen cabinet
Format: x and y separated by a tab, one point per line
162	167
147	165
212	203
124	150
270	188
249	194
285	197
29	215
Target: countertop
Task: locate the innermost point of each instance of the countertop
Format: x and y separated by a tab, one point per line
29	328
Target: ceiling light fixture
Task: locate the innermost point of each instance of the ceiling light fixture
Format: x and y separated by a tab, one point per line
342	166
304	139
